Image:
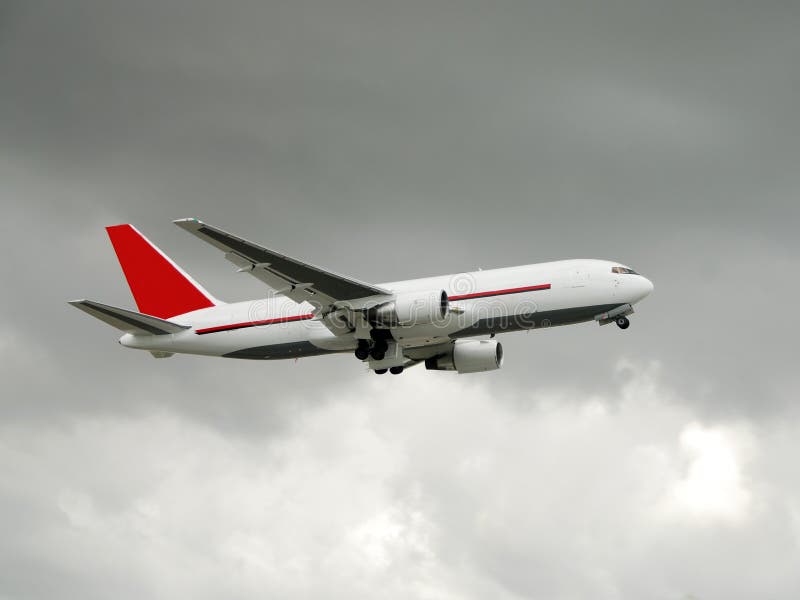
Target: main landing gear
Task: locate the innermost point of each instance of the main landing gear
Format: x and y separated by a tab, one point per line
376	349
362	352
379	349
392	370
623	322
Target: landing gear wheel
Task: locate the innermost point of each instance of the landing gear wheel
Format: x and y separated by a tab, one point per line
379	350
380	371
362	352
623	322
396	370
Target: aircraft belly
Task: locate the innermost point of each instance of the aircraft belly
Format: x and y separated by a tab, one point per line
297	349
545	318
289	339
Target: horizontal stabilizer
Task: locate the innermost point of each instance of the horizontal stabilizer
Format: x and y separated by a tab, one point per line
128	320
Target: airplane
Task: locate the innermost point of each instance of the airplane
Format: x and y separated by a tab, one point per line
310	311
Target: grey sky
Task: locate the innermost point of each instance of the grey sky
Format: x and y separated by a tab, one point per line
388	141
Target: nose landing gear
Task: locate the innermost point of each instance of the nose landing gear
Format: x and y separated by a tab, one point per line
617	315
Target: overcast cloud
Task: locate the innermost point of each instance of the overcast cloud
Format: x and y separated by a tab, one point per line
390	140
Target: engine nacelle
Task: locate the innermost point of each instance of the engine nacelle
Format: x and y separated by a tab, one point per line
469	356
416	308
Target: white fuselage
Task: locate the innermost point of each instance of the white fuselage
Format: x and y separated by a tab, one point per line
481	302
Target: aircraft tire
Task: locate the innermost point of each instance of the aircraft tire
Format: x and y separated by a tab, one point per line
378	351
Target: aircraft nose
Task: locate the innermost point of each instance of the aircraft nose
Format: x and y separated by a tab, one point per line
648	286
643	288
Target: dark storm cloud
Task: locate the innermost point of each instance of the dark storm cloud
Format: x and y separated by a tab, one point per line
390	141
662	138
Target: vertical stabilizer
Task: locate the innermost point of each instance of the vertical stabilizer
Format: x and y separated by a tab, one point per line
159	286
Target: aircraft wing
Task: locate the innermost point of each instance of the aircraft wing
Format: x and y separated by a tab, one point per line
289	277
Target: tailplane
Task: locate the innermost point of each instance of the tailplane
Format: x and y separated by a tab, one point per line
159	286
127	320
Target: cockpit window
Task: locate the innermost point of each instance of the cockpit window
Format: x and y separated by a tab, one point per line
624	270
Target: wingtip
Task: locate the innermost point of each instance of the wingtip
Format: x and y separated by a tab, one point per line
189	221
76	302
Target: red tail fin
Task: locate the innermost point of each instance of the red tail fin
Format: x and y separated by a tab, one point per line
159	286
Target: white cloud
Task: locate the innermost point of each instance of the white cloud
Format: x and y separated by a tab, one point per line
422	486
713	485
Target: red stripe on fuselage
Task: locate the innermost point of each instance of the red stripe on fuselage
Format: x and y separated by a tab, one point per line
254	324
519	290
489	294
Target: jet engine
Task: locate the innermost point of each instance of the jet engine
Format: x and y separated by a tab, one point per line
469	356
413	309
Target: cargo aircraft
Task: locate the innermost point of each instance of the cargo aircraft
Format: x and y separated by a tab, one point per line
311	311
